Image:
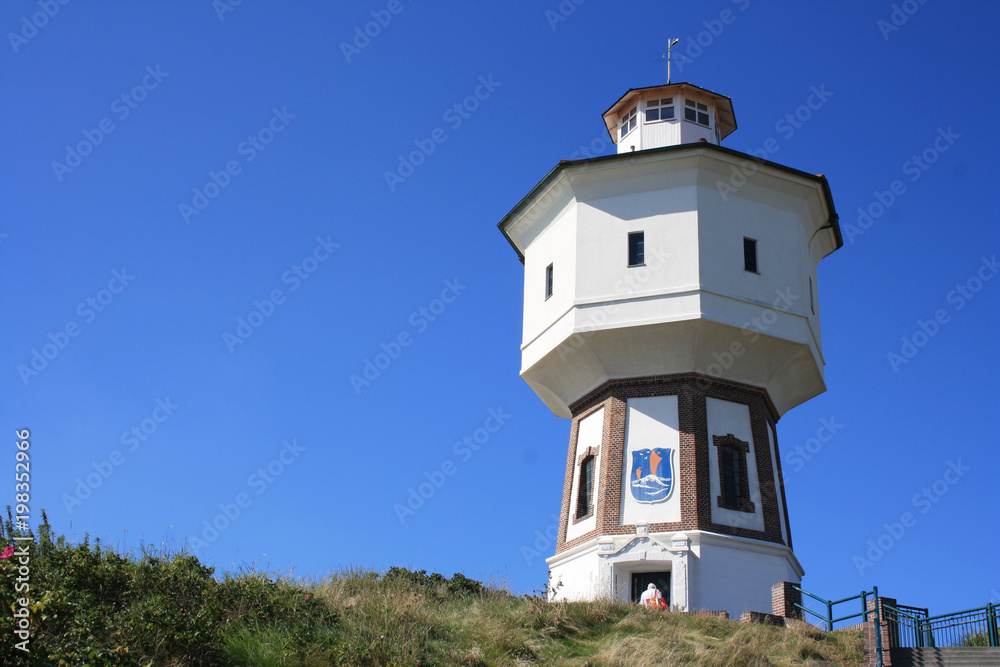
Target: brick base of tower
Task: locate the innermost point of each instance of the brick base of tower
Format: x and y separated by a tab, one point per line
686	480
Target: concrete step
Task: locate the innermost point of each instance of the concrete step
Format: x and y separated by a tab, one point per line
945	657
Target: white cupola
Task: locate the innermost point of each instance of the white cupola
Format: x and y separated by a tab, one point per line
668	115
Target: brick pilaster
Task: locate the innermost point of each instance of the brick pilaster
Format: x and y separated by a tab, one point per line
784	597
888	630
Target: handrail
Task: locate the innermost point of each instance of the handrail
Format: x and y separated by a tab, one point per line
865	613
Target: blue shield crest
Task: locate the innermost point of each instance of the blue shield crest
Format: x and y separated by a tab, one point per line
651	476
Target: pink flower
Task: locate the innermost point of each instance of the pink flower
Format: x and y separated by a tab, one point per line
7	552
307	597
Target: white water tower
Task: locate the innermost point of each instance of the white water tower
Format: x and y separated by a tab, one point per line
671	312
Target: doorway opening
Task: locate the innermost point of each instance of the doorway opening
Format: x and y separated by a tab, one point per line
641	580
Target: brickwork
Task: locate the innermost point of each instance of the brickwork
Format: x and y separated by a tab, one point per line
693	476
888	630
784	597
762	618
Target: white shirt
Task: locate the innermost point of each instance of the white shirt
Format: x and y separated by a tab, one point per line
649	594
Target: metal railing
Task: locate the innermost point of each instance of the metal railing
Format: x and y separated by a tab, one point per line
863	614
972	627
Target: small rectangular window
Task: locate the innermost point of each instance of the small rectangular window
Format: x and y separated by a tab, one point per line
812	301
750	255
585	492
636	249
548	281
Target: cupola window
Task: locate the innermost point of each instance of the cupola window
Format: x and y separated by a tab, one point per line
661	109
696	112
628	122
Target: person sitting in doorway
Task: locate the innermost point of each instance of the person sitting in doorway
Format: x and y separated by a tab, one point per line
652	598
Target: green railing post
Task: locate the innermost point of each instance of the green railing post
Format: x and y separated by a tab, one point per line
991	619
919	630
878	630
829	616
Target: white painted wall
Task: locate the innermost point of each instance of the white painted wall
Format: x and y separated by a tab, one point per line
725	417
651	422
555	245
694	272
579	575
737	575
659	133
591	430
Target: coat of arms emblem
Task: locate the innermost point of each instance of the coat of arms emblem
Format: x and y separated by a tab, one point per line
651	478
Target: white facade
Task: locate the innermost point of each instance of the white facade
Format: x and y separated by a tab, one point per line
612	319
707	570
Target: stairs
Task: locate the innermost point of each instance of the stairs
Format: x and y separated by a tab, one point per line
945	657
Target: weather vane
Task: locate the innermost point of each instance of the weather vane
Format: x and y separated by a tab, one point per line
666	56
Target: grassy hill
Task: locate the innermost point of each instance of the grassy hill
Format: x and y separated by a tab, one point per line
92	606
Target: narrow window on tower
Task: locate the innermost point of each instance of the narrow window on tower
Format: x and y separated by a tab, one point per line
750	255
585	490
548	281
812	301
731	477
734	482
637	249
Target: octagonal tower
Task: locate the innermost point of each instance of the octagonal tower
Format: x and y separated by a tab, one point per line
671	311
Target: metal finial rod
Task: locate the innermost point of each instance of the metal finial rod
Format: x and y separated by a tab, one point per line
670	45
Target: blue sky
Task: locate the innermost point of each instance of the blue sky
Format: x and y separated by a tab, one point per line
200	247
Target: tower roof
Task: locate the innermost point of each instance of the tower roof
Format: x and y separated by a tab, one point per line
724	106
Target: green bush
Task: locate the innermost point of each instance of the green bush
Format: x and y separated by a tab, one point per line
92	606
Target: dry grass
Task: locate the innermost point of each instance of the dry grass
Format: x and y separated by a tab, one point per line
392	623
